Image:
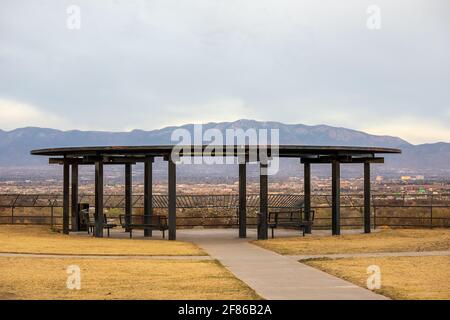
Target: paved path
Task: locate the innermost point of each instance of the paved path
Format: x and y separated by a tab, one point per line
271	275
372	255
99	256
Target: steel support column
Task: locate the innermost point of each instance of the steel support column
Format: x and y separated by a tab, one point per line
366	197
263	202
172	200
75	213
335	197
307	191
242	200
99	218
66	197
148	195
128	193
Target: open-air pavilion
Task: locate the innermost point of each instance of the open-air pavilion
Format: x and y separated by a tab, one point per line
71	158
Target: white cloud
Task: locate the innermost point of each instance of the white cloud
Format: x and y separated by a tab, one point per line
412	130
15	114
148	64
217	110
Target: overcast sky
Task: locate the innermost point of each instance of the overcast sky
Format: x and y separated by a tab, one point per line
149	64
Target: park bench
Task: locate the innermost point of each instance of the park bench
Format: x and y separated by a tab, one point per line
155	222
89	221
290	219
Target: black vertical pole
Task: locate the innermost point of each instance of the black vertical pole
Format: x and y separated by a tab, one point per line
66	195
431	210
99	199
172	200
242	200
307	189
335	198
128	193
366	197
263	202
75	213
148	194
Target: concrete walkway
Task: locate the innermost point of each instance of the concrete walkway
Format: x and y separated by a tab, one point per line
98	256
372	255
271	275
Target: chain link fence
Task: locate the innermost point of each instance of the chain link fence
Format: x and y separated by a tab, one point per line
393	210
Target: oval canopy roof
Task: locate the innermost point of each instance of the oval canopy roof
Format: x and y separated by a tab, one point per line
296	151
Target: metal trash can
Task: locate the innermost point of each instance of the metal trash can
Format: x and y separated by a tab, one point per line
83	216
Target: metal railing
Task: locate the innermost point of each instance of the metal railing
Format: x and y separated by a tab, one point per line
393	209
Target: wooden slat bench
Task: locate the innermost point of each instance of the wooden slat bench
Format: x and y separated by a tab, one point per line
90	222
155	222
290	220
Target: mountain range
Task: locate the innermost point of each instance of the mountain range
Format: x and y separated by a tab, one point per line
430	159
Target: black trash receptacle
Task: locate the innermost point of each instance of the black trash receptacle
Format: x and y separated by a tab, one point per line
83	216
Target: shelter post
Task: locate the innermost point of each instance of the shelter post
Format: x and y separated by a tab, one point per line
335	198
307	191
148	195
99	218
172	206
66	195
128	193
75	213
242	200
367	197
263	201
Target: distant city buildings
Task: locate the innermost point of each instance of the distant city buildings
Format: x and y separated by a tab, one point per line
407	184
412	178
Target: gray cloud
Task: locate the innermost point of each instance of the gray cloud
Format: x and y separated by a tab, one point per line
147	64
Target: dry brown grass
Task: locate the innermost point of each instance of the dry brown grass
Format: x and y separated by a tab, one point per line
45	278
401	277
40	239
391	240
